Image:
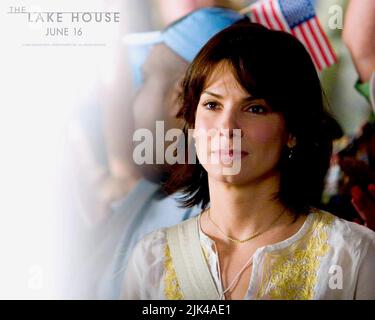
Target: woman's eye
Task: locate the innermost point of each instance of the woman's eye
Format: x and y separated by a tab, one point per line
210	105
257	109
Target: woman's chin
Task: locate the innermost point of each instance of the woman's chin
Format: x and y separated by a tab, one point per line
227	174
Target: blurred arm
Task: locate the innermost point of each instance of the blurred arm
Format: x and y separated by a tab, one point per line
359	36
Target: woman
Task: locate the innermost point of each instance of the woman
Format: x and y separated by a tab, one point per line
259	235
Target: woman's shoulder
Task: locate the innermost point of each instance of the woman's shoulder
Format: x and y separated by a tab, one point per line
350	233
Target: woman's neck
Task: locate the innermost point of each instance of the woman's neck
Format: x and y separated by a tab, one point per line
243	210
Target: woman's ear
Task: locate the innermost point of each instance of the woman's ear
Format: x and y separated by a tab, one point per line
292	141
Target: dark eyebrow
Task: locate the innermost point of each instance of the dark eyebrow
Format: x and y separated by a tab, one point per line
247	99
213	94
252	98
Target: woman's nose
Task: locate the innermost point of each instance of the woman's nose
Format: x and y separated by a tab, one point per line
229	126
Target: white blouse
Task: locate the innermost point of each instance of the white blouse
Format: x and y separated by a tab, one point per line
328	258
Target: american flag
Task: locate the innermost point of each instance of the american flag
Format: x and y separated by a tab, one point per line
298	18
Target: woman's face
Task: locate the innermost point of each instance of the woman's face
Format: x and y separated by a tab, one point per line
224	106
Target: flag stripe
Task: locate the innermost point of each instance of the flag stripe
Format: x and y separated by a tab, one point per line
272	16
318	43
326	46
264	13
276	15
326	41
312	44
298	33
260	15
255	15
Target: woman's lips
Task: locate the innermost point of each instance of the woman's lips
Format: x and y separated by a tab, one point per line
230	154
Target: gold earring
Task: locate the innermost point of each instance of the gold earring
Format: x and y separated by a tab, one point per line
291	153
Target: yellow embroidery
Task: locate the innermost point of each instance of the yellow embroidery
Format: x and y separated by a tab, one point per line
172	289
291	274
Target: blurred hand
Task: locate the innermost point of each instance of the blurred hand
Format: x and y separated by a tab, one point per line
359	36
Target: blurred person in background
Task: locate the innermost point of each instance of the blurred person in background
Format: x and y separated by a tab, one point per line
356	199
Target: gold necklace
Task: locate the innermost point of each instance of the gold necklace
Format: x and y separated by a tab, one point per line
256	234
